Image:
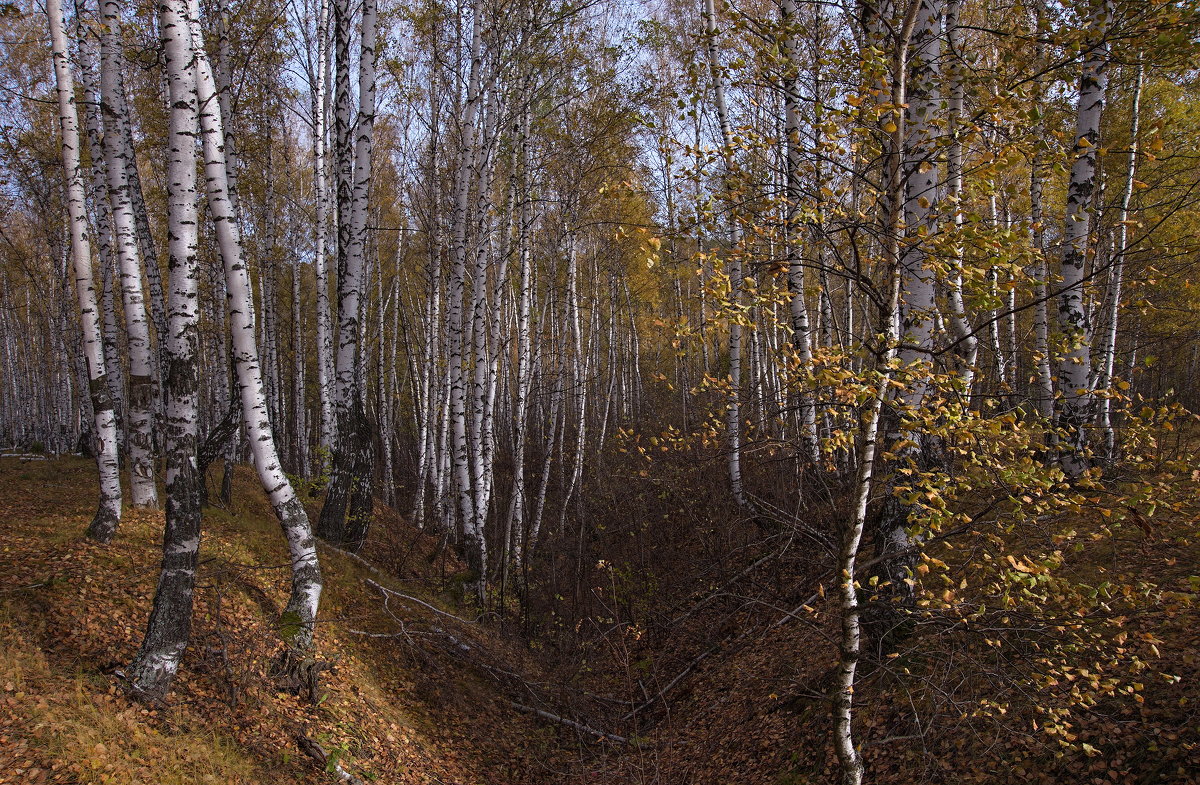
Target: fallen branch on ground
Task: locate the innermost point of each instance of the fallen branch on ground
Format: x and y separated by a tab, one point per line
579	726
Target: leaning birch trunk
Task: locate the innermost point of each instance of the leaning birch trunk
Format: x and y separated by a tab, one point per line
116	106
346	514
103	219
157	660
140	408
851	627
733	412
301	613
1118	272
108	512
1075	406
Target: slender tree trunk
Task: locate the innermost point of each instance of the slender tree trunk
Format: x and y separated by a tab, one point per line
794	159
966	344
108	512
346	515
299	404
475	544
142	365
1044	379
917	306
103	222
733	411
518	504
320	112
1118	271
851	628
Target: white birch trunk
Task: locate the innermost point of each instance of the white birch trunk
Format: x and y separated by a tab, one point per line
966	344
456	317
1118	271
167	633
733	411
103	219
300	616
108	512
1076	404
346	515
518	504
320	112
142	364
851	614
794	160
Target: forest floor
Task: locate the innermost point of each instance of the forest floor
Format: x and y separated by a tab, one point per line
422	704
421	692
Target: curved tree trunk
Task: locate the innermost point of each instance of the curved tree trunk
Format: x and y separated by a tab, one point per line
300	616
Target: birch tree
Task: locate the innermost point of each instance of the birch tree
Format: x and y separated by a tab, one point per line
917	75
140	408
108	512
733	412
1074	367
1117	276
300	616
346	514
793	158
157	661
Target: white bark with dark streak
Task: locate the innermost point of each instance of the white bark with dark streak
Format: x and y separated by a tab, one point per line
301	612
108	513
1074	367
169	627
142	364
